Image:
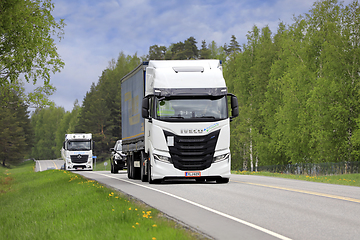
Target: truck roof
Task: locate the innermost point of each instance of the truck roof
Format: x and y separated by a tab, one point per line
78	136
178	74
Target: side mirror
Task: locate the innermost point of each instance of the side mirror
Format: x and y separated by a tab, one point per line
112	150
64	145
234	106
145	107
93	145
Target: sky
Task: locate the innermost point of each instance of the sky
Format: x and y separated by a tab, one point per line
97	31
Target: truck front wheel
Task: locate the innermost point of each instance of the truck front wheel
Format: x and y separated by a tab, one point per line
150	180
143	176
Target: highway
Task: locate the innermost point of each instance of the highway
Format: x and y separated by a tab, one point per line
42	165
250	207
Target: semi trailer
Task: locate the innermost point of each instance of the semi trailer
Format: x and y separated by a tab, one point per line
176	118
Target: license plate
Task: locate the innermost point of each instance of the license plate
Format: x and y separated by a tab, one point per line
192	174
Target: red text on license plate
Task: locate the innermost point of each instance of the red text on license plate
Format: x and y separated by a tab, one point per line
192	174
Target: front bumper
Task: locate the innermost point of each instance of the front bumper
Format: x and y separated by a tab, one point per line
162	170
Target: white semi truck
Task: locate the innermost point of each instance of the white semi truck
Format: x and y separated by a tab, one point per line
176	121
77	151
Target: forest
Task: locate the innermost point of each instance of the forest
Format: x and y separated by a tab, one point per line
298	93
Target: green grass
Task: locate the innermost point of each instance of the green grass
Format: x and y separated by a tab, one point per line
344	179
58	204
101	167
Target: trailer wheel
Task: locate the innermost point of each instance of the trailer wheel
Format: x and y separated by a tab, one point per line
143	176
129	167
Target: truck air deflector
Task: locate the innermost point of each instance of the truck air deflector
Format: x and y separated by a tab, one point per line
188	69
167	92
192	152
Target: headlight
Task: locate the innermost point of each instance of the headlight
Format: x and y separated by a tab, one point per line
221	158
162	158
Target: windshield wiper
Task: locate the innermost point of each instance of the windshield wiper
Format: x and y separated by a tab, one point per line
179	117
206	117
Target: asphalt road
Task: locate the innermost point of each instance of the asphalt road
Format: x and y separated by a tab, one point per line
250	207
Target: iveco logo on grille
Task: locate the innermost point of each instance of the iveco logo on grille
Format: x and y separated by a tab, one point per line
190	130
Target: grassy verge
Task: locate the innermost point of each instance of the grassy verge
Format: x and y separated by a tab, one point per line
101	167
57	204
344	179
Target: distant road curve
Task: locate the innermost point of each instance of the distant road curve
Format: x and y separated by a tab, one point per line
42	165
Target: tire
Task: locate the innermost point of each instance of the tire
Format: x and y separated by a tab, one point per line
129	168
149	173
150	180
111	167
143	176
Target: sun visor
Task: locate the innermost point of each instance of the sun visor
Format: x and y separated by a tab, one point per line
177	92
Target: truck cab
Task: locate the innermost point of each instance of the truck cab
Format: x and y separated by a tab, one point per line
176	118
77	151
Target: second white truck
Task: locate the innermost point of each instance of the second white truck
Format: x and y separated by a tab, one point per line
77	151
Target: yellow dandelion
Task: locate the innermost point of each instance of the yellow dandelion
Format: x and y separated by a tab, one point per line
113	210
135	209
154	238
154	225
129	208
137	223
133	226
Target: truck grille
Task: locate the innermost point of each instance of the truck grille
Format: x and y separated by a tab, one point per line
79	158
193	152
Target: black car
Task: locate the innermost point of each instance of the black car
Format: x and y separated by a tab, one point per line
118	158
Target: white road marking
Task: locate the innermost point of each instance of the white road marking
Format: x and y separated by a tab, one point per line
206	208
54	164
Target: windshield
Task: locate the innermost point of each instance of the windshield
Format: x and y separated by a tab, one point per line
79	145
194	108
